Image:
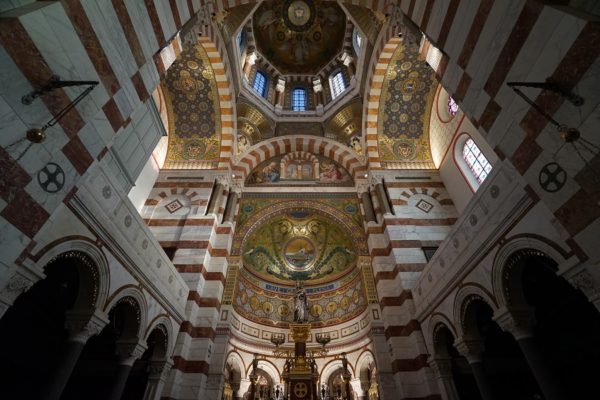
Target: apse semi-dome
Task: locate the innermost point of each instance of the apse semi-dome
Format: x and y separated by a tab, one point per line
299	36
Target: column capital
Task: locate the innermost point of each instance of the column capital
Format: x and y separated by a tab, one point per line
442	367
280	85
129	351
160	369
346	59
517	322
317	85
470	349
251	58
83	324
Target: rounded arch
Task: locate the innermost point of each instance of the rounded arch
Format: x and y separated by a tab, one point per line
92	267
436	322
329	369
343	155
441	337
164	324
366	365
134	297
463	321
507	289
236	362
269	368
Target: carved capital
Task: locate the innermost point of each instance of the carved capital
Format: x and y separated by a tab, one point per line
160	369
518	323
470	349
81	325
129	351
585	282
17	285
442	367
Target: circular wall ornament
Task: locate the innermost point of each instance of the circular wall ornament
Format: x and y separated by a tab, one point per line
552	177
51	178
300	390
299	15
299	253
106	192
128	221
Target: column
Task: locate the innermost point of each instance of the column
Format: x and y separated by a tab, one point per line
385	375
279	94
318	89
159	372
368	206
519	323
128	352
348	61
382	198
442	369
230	207
250	61
471	350
80	326
376	206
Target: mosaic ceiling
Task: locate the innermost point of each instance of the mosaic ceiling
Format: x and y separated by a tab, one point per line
282	241
403	123
299	36
192	102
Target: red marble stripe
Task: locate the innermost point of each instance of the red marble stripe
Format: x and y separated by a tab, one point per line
525	155
426	15
190	367
12	176
476	27
491	112
78	155
463	86
139	86
447	24
19	46
578	212
411	8
190	7
406	365
175	12
90	42
129	30
113	114
24	213
160	37
402	330
527	19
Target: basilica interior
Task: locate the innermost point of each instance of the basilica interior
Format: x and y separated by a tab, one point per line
299	199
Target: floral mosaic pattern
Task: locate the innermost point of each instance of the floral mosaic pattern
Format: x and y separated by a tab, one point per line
194	115
407	96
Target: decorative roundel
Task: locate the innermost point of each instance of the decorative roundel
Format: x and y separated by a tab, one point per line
552	177
51	178
300	390
299	15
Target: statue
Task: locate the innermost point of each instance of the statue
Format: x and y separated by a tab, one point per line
300	304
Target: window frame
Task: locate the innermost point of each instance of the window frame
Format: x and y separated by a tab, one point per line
334	86
304	105
466	170
264	84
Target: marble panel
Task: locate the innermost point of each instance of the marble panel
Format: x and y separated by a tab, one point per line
138	13
460	28
165	17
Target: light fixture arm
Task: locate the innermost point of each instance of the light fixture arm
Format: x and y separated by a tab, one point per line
53	83
551	85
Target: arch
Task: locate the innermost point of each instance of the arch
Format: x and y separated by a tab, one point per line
467	159
465	296
269	368
365	361
299	99
506	289
330	368
437	321
164	323
93	269
343	155
136	298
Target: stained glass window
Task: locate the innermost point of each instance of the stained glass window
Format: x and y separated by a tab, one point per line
452	106
299	99
479	165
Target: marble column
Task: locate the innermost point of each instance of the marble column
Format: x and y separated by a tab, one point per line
128	352
368	206
279	94
215	201
519	323
230	206
80	327
348	61
472	350
159	372
383	198
250	61
318	89
442	369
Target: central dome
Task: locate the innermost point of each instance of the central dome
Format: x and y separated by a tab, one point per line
299	36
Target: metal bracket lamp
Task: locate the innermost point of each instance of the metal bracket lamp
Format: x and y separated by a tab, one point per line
38	135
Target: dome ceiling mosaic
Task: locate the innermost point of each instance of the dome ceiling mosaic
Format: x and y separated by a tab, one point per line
299	36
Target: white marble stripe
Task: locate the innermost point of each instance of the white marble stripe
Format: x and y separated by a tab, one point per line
138	14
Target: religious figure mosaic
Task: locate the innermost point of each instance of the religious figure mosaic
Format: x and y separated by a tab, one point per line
403	124
299	168
191	98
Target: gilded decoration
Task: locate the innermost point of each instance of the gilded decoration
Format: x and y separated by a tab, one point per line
273	308
299	168
298	245
403	124
191	98
299	36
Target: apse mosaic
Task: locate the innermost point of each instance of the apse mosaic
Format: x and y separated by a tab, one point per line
299	36
194	117
275	309
298	245
403	123
299	168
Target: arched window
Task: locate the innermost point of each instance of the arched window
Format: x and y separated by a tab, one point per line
299	99
478	164
356	41
260	84
241	40
452	106
337	84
